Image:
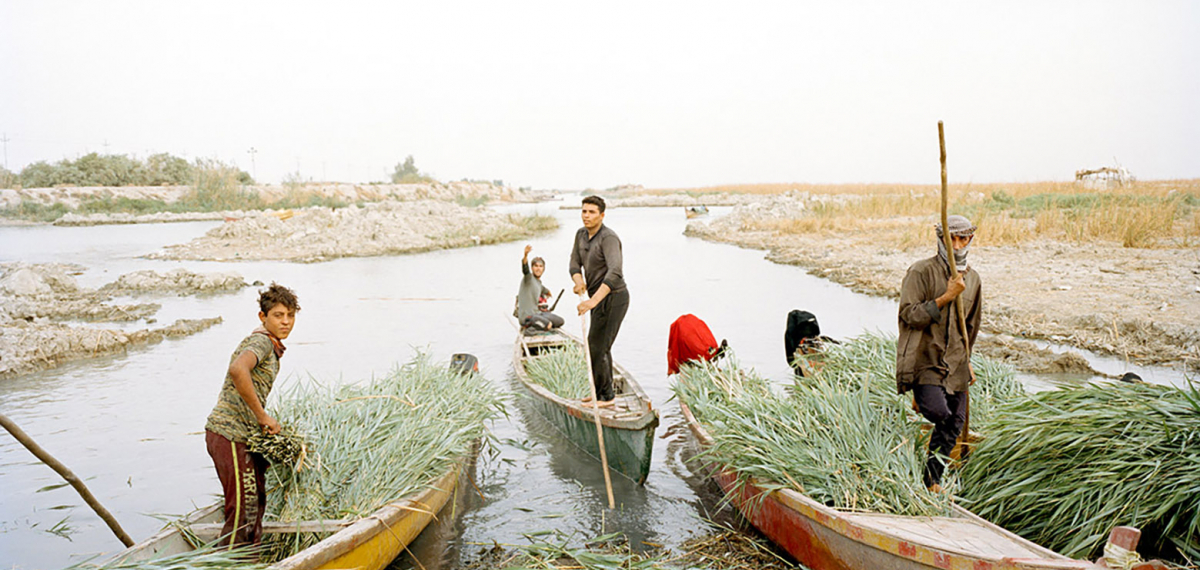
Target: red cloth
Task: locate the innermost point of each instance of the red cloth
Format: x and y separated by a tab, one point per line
690	340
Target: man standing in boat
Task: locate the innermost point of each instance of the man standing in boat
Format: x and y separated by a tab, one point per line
596	256
932	359
240	413
532	297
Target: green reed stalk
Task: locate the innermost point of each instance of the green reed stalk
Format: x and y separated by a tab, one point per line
1063	467
369	445
562	371
844	438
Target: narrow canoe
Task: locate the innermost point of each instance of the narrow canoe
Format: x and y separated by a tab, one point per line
825	538
695	211
628	426
369	543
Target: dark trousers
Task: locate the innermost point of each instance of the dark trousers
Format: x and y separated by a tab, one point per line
606	322
243	478
542	321
948	412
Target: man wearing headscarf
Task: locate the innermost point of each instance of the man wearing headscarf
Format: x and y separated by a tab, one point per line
932	359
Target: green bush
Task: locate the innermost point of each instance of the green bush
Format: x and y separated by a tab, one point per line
117	170
7	178
407	173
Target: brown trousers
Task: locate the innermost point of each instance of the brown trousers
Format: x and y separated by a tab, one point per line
243	478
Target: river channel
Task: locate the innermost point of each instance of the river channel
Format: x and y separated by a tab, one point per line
132	425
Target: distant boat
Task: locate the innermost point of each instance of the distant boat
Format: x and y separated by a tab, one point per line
695	211
628	426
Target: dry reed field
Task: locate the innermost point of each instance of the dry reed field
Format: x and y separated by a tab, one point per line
1152	214
1115	270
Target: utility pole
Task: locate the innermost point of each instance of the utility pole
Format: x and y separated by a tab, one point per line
253	167
5	139
105	146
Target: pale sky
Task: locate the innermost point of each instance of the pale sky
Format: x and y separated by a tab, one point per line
574	95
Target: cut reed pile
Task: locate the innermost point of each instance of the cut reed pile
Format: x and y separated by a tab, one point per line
1063	467
372	444
209	557
844	438
562	371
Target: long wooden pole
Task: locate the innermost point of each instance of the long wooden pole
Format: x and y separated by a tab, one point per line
962	319
958	305
584	321
62	470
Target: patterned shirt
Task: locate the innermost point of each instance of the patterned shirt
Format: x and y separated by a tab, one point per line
232	418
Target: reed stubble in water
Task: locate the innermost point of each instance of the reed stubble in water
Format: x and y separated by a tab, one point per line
844	437
1063	467
562	371
371	444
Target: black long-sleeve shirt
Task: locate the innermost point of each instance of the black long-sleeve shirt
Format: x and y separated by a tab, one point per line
599	259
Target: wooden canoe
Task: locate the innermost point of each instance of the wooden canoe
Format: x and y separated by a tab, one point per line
825	538
628	426
369	543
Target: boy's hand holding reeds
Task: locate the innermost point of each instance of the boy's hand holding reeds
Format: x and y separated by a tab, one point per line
269	424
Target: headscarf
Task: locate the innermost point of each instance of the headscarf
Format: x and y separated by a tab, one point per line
960	226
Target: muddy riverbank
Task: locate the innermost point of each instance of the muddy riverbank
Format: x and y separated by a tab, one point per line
41	307
383	228
1133	303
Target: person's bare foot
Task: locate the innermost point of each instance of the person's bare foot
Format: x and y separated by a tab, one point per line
601	404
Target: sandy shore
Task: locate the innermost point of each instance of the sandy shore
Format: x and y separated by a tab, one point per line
383	228
1142	305
39	301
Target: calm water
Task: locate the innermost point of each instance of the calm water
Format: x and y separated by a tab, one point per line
132	425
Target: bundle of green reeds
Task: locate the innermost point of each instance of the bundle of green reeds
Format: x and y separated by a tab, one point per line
1063	467
563	371
374	443
209	557
843	437
286	447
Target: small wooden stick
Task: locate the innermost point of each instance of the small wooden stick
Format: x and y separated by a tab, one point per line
612	504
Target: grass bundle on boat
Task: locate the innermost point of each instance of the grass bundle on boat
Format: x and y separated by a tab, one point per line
562	371
371	444
210	557
844	438
1063	467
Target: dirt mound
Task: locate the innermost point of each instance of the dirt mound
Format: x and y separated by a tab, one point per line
178	281
320	234
28	347
38	303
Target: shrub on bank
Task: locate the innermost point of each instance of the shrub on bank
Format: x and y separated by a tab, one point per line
118	170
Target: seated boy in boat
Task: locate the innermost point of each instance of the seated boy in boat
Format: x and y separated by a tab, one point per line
533	298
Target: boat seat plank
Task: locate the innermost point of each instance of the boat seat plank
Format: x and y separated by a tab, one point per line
208	532
951	534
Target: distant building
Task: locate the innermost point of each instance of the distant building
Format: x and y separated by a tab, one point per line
1104	178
